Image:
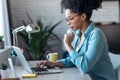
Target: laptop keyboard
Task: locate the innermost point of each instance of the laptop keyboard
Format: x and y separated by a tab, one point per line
39	70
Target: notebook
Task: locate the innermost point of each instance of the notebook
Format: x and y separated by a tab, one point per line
29	69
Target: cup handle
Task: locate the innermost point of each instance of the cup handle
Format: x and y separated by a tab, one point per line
47	57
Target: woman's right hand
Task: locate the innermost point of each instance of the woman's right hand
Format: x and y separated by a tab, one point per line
45	63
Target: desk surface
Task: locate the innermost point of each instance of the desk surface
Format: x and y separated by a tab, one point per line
67	74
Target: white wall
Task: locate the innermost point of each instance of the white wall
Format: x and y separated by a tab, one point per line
108	13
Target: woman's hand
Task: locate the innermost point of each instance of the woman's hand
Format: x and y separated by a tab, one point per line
68	39
44	64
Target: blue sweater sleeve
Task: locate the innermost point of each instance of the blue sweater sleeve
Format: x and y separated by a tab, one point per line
67	62
94	47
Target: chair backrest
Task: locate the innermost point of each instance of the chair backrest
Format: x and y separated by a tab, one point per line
115	59
112	32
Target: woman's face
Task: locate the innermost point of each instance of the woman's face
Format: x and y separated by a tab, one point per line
74	20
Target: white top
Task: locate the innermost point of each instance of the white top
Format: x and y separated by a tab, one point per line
81	42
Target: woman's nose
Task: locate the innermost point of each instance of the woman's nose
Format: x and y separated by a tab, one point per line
68	22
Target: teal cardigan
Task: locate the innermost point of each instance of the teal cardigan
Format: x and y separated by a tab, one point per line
92	57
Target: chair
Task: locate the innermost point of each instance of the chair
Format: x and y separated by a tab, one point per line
115	59
112	32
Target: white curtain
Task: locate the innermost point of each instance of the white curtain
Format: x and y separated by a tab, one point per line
4	23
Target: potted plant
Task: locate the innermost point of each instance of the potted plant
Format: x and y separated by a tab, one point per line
1	42
38	42
3	66
4	70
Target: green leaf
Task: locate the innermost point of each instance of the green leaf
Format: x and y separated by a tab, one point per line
1	37
3	66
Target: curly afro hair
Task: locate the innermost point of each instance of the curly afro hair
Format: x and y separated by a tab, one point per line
81	6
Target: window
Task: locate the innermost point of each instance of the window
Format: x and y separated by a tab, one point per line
4	23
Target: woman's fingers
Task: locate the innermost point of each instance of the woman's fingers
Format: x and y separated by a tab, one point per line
68	38
40	65
44	64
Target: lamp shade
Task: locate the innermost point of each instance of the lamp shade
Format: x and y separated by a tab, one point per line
28	28
32	28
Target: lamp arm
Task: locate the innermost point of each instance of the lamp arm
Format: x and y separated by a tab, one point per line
18	29
14	32
15	41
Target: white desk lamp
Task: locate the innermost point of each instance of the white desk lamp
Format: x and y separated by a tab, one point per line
32	28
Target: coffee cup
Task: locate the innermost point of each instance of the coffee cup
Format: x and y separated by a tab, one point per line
52	57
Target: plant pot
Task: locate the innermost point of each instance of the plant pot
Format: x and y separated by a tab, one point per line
1	44
5	74
0	77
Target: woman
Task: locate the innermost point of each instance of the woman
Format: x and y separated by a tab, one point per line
86	43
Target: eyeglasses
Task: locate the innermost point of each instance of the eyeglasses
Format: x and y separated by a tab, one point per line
70	19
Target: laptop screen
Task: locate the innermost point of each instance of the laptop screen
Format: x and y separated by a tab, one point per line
22	59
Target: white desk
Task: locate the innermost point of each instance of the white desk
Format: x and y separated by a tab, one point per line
67	74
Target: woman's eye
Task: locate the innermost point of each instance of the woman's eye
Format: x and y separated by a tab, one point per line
71	18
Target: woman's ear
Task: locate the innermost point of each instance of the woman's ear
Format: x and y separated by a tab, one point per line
83	16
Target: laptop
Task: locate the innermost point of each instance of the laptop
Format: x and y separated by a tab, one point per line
35	70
